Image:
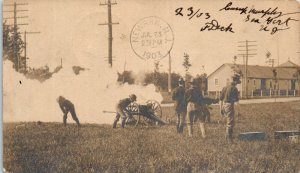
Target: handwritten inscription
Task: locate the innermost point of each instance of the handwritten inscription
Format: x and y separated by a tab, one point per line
191	13
269	20
215	26
212	25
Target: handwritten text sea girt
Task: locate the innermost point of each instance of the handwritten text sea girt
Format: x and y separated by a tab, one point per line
211	25
269	20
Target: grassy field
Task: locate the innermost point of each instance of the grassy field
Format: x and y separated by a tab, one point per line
50	148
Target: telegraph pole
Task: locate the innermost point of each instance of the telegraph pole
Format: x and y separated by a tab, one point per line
247	53
25	47
270	61
169	75
15	28
109	24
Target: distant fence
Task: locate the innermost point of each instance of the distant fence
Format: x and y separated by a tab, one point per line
262	93
274	93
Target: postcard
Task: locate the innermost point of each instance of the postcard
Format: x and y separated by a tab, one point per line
151	86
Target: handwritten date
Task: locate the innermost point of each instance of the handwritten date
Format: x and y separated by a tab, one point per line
191	13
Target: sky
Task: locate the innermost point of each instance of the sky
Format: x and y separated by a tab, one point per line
70	31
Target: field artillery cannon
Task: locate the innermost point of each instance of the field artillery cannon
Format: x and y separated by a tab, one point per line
149	113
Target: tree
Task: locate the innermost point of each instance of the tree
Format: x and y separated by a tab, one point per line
162	83
13	46
156	75
202	81
186	65
186	62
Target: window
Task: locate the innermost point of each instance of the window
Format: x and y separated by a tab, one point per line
254	82
216	81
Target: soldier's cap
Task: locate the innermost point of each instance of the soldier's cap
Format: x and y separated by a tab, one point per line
180	80
236	78
60	98
132	97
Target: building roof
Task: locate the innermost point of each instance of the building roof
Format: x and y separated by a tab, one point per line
288	64
263	72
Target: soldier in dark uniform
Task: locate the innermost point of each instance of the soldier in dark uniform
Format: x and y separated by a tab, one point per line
67	106
228	97
121	110
180	104
195	102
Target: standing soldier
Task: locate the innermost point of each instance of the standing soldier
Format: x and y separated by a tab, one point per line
180	104
67	106
195	101
228	97
121	109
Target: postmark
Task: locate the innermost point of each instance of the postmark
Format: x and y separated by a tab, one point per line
151	38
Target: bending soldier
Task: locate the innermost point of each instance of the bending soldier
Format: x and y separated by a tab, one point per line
180	104
228	97
194	99
67	106
121	109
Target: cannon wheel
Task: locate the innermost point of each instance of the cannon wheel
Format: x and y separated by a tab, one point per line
133	109
156	108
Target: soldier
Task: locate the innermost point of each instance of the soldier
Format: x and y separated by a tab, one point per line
228	97
180	104
121	110
195	101
67	106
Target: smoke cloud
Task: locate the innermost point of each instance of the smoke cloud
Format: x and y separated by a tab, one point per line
92	91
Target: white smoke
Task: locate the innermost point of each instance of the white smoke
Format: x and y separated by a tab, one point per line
91	92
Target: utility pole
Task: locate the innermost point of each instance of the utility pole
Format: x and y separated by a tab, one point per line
169	75
270	61
109	24
25	47
15	29
247	52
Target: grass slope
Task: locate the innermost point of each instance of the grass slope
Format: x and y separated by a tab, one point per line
49	147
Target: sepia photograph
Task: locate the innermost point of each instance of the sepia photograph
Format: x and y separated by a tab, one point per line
161	86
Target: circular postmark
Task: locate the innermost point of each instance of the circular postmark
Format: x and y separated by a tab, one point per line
151	38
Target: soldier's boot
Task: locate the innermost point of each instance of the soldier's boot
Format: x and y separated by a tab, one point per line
123	123
115	124
77	122
177	128
229	135
190	129
65	120
202	128
180	129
